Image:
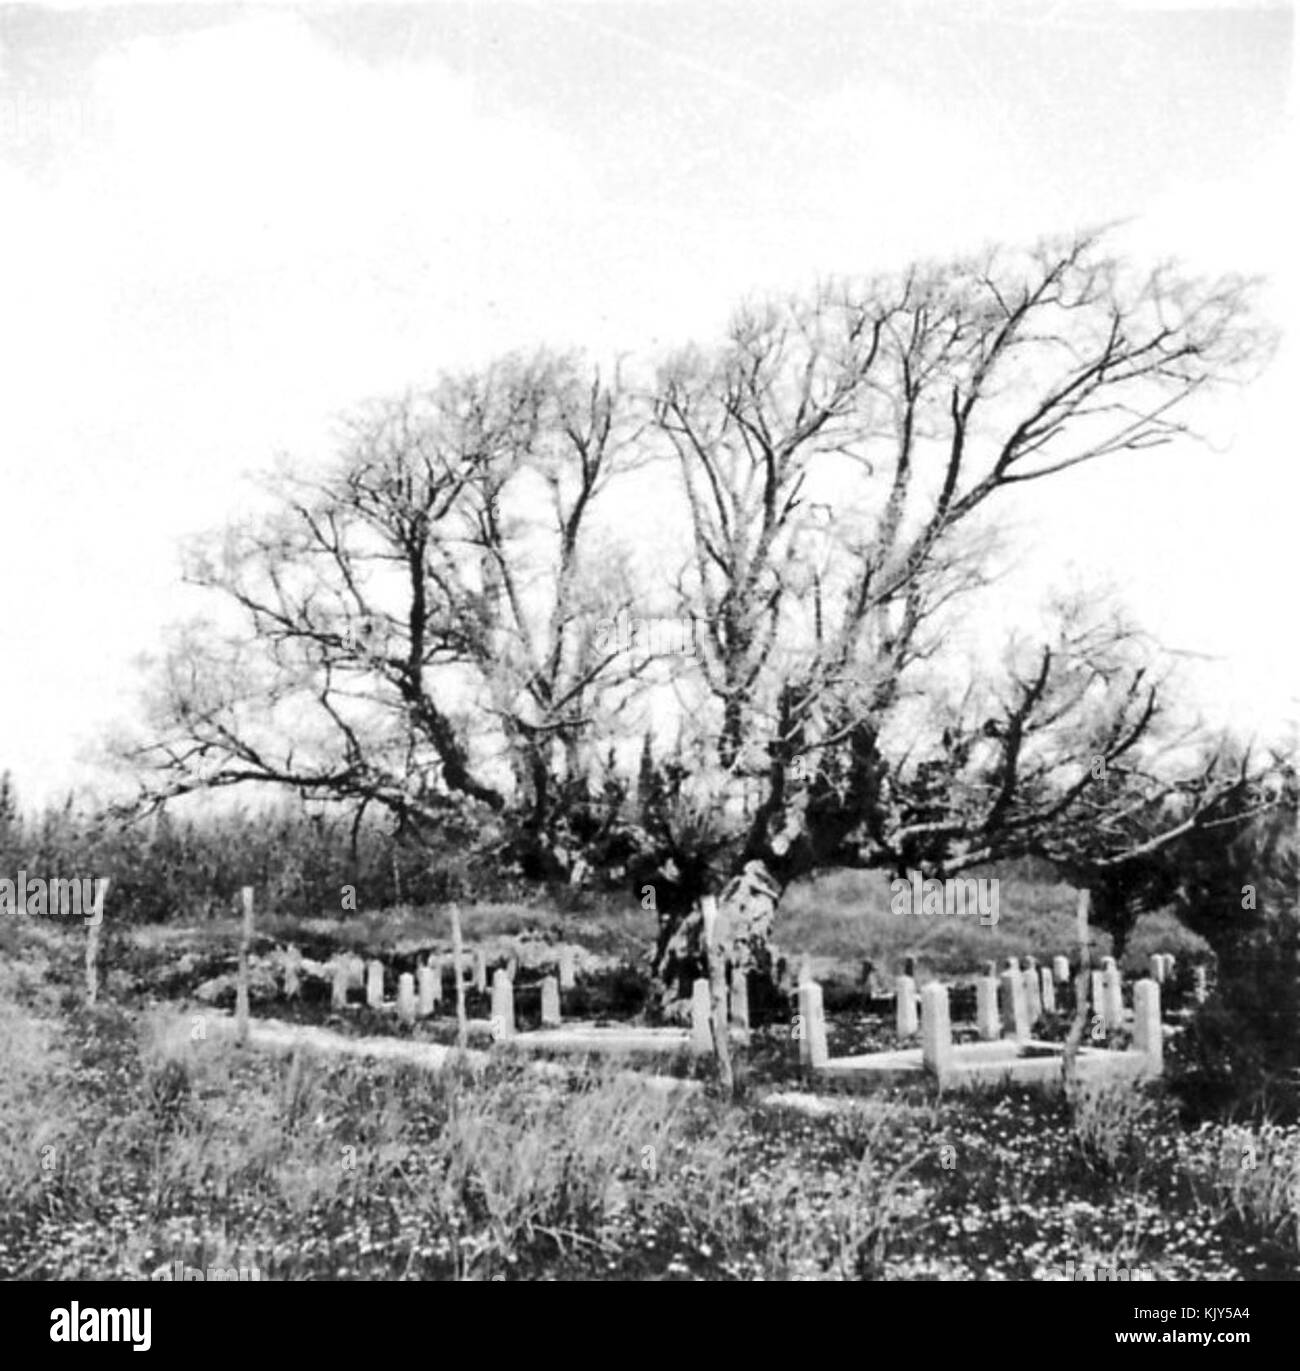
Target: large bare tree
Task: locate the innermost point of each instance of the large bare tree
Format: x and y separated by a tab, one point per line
427	624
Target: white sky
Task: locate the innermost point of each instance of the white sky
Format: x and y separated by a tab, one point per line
219	228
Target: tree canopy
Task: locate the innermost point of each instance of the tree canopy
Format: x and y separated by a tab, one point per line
457	614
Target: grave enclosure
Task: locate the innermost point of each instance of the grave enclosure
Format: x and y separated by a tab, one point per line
999	1045
420	995
1009	1007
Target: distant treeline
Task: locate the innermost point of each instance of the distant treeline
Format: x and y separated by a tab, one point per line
300	857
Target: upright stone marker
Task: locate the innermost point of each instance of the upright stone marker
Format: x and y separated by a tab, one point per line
812	1040
1033	996
1169	966
568	978
1061	970
406	997
1148	1036
905	1007
503	1005
480	970
701	1012
342	978
986	1009
292	972
1015	1013
550	1002
936	1030
375	985
436	967
1201	985
428	990
1098	987
1112	997
1047	990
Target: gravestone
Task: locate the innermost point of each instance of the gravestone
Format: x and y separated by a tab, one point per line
1033	995
428	988
701	1013
437	966
375	985
292	972
1015	1013
568	978
1098	995
812	1040
1156	965
1112	997
936	1029
342	979
550	1002
1047	990
503	1005
987	1022
406	997
905	1007
480	970
1061	970
1148	1036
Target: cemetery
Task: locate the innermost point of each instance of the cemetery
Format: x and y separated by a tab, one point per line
944	1073
1001	1046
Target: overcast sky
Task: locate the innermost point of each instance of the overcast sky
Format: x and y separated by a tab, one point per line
221	227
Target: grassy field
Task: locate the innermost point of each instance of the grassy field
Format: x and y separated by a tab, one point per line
126	1147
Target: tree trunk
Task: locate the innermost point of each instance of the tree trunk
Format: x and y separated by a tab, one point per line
747	907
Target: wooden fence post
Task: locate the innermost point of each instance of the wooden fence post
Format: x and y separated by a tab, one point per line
245	947
92	962
714	931
1070	1054
458	956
